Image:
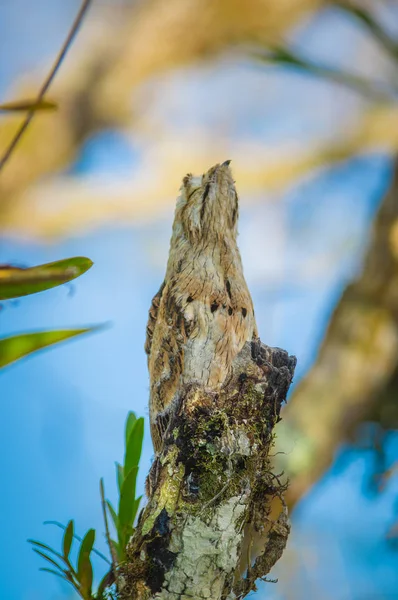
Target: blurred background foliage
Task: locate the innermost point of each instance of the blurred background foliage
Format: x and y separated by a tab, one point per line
302	96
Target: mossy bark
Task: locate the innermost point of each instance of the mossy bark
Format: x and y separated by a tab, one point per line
212	488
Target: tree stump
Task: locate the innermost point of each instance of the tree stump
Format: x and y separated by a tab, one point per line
212	492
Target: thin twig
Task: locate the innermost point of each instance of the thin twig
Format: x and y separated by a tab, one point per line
367	20
107	534
285	56
29	116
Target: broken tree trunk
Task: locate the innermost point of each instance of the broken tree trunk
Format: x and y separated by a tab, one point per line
210	490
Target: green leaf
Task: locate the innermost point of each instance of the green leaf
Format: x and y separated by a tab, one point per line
55	573
15	347
134	446
57	554
28	105
78	538
45	547
131	419
113	514
50	560
126	506
16	282
86	580
66	576
84	566
136	507
119	475
67	540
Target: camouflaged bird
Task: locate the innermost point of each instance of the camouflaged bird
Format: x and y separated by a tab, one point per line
203	313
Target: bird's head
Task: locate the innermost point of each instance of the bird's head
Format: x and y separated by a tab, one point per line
208	205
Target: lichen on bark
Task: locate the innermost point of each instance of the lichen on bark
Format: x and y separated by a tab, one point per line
212	490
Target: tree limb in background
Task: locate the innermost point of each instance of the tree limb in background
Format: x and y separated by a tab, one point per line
80	205
96	94
284	56
40	97
366	19
354	378
127	46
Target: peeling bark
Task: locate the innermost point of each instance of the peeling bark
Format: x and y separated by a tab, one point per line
211	490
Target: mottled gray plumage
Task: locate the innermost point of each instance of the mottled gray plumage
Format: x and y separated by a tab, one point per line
203	312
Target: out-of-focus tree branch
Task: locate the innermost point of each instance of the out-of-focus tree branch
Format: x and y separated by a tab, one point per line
147	38
354	378
291	58
137	43
79	204
367	20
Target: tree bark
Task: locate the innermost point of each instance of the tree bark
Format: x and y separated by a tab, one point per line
211	490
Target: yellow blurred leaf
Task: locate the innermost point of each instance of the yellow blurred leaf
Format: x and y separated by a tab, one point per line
28	105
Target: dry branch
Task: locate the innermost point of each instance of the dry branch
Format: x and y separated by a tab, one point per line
211	489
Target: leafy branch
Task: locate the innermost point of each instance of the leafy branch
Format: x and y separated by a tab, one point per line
16	282
80	576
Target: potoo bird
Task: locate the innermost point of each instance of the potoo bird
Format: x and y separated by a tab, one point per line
203	313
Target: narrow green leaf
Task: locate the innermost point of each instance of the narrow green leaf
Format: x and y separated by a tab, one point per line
45	547
106	523
55	573
55	553
134	446
16	282
67	576
86	580
67	540
50	560
136	507
28	105
131	419
119	475
84	566
18	346
119	552
78	538
113	514
127	532
126	506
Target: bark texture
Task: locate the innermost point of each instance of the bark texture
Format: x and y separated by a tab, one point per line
212	488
